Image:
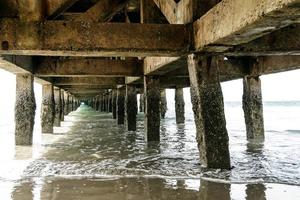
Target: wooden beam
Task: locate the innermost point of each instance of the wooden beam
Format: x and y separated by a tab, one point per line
57	7
86	87
62	38
168	8
233	22
285	41
103	11
85	67
162	65
88	81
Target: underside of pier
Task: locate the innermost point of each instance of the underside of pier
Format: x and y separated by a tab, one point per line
105	52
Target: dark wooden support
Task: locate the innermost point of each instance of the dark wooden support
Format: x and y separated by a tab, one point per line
163	103
253	107
66	103
208	107
57	101
48	109
179	105
24	109
62	113
130	108
152	108
110	102
120	105
114	103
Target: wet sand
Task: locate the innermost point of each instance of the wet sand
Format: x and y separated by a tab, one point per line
90	157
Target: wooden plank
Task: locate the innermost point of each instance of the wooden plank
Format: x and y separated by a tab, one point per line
103	11
88	81
85	67
233	22
64	38
168	8
57	7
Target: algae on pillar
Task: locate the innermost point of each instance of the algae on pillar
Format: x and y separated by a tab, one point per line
163	103
24	109
120	105
142	103
253	107
57	101
130	108
114	103
208	107
179	105
48	109
152	108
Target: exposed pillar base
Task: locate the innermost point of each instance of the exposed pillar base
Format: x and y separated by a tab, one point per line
152	108
179	106
253	108
47	116
208	107
24	109
120	106
130	108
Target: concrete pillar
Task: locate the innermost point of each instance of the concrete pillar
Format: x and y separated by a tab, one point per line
253	107
62	97
70	109
163	103
120	105
66	103
24	109
48	109
57	101
130	108
110	102
208	107
152	108
102	103
114	103
142	103
179	105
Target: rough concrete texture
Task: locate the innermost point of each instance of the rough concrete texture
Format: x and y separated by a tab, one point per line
130	108
152	108
208	107
163	103
142	103
57	101
179	105
120	106
62	98
24	109
48	109
253	108
114	105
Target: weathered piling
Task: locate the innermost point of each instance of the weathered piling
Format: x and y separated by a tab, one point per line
142	103
253	107
114	103
66	103
208	107
120	105
130	108
24	109
152	108
57	101
110	102
179	105
163	103
62	97
48	109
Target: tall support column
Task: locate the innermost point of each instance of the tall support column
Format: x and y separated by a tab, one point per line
114	103
66	103
179	105
253	107
163	103
70	105
110	102
142	103
24	109
152	108
130	108
48	109
57	101
208	107
62	97
120	105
